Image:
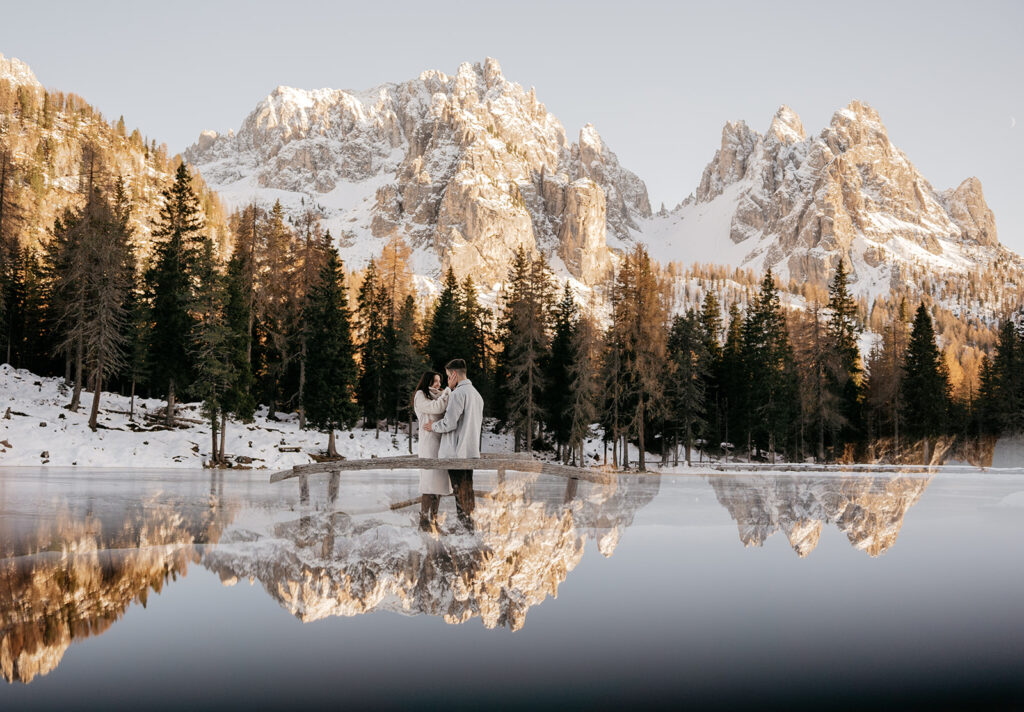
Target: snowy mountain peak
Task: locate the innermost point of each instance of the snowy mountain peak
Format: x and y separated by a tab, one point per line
786	126
18	73
465	168
800	203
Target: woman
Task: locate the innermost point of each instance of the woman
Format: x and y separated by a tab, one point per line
430	402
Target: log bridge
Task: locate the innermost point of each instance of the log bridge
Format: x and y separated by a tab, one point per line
517	462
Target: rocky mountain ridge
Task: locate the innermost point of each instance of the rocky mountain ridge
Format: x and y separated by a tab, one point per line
466	168
799	204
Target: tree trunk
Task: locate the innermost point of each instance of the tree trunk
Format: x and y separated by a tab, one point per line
410	431
642	462
169	415
97	381
223	434
686	445
302	388
214	458
332	450
76	394
131	403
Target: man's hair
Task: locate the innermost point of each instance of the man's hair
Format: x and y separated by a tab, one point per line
456	364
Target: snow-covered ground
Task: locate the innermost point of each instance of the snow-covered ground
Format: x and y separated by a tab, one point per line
41	431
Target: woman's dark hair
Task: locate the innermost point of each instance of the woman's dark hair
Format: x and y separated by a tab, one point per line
424	385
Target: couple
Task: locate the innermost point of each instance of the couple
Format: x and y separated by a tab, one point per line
450	422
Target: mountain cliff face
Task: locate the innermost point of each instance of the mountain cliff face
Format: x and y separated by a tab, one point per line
466	168
799	204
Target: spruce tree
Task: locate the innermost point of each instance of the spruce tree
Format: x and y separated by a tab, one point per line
177	236
375	342
331	373
711	334
477	333
773	389
446	333
845	381
688	369
526	339
277	305
406	362
238	319
584	366
213	346
1006	403
734	382
924	387
558	395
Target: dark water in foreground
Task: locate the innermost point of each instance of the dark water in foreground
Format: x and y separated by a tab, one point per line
171	589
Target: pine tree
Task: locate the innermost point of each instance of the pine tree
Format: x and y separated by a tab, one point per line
376	337
1005	404
238	319
767	350
711	335
526	341
845	382
924	387
213	346
584	366
446	333
406	362
310	259
688	369
733	381
108	280
477	333
177	237
558	396
276	305
331	371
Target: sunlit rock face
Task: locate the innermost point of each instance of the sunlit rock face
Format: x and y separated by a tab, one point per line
527	539
466	168
869	510
74	577
800	203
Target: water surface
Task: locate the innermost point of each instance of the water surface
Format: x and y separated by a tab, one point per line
162	589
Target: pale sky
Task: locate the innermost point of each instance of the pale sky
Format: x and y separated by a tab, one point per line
657	79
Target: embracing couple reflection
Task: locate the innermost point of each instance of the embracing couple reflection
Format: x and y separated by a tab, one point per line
449	427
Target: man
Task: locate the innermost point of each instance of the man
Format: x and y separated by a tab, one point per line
460	435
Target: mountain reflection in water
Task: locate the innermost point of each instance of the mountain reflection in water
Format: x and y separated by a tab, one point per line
70	566
869	510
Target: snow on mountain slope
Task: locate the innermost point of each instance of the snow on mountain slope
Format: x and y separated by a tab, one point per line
799	204
465	168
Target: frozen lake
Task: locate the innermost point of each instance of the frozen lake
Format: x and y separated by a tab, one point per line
172	589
